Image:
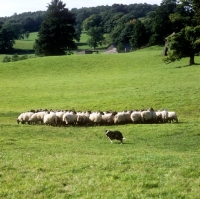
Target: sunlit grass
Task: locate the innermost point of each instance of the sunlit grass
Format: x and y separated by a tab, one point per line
26	44
155	161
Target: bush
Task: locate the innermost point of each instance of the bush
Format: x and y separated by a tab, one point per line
120	47
23	57
15	57
6	59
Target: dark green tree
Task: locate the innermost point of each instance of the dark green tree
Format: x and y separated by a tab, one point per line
116	35
185	43
111	20
27	34
120	47
8	35
139	35
161	24
92	21
56	35
96	36
196	8
122	32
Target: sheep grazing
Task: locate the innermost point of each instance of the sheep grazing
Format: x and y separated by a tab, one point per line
82	118
59	115
136	117
37	117
69	117
172	116
164	115
159	116
24	117
148	116
95	118
50	119
127	115
123	117
108	118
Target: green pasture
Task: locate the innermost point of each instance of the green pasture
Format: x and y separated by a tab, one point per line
26	45
155	161
82	44
23	47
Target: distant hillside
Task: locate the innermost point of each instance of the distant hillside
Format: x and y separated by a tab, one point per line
31	21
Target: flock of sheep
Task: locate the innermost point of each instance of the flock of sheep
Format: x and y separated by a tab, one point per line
71	117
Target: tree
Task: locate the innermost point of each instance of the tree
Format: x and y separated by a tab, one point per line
92	21
7	37
57	32
120	47
161	25
96	36
122	32
27	34
196	7
139	35
185	43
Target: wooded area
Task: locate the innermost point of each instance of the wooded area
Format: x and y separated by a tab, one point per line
136	24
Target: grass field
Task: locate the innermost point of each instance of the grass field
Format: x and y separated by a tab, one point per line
156	160
27	44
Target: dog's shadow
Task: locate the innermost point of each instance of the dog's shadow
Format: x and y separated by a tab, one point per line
122	143
128	143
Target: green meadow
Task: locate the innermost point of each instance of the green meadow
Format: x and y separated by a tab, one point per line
155	161
27	44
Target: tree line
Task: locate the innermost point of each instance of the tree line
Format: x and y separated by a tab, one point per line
136	24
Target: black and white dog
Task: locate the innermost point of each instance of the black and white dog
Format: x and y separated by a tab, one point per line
114	135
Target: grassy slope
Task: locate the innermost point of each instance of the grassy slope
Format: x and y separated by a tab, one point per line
157	161
118	82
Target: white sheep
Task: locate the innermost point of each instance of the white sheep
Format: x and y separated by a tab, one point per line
24	117
108	118
69	117
159	116
136	117
164	115
172	116
128	116
59	115
37	117
122	118
50	119
95	117
82	118
148	116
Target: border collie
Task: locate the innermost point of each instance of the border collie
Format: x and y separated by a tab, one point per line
114	135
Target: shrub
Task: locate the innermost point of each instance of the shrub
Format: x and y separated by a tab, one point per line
15	57
23	57
6	59
120	47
